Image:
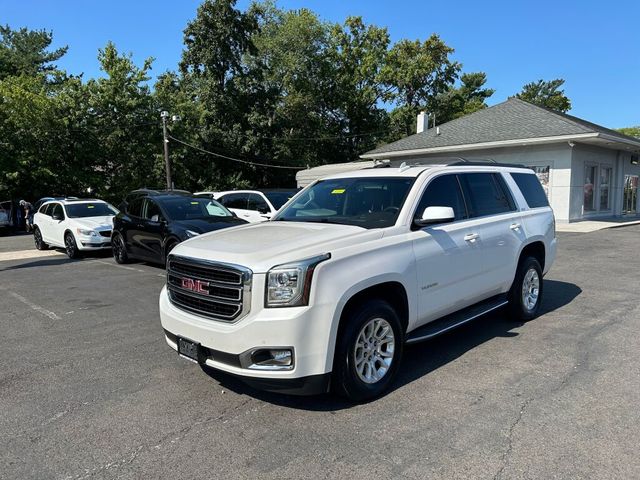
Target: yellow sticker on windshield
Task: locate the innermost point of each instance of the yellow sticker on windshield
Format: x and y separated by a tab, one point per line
91	206
194	203
338	191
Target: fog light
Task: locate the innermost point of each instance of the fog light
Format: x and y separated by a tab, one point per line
276	359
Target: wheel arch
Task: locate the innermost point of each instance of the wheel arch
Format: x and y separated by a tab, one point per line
171	239
393	292
535	249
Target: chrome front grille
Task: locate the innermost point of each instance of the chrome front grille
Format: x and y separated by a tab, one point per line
213	290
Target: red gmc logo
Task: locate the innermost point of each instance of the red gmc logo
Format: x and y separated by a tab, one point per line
197	286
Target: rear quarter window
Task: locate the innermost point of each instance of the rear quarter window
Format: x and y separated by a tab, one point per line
531	189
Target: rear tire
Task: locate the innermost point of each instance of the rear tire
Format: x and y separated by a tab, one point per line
525	295
119	249
368	351
70	246
37	239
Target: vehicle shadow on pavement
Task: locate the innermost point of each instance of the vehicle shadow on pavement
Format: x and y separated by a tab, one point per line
419	359
52	261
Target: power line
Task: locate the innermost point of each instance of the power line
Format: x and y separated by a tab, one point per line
247	162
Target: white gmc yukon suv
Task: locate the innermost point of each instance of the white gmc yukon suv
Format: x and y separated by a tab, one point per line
326	294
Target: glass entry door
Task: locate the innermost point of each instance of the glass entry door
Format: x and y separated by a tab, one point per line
630	196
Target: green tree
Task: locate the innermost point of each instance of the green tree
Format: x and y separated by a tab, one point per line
356	54
122	119
25	52
631	131
415	73
546	94
467	98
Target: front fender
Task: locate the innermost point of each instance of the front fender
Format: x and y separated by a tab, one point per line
339	279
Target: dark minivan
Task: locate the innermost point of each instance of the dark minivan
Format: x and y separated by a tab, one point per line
150	226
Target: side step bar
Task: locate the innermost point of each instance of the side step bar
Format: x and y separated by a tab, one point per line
453	320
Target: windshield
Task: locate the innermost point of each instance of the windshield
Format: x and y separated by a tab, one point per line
189	208
363	202
278	199
89	209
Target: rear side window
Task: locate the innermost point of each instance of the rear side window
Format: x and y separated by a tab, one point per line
235	200
443	191
257	203
531	189
486	194
46	209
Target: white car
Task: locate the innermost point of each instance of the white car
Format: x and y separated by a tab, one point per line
252	205
75	225
327	293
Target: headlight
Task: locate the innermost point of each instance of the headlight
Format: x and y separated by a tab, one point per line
191	233
289	285
87	233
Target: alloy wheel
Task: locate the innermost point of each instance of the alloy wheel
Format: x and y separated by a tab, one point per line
373	350
530	289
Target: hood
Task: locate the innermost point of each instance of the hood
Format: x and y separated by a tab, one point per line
260	246
95	223
208	224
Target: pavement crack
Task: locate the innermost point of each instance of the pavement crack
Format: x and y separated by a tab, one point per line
507	453
170	438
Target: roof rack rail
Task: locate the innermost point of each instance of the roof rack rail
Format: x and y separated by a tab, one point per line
476	163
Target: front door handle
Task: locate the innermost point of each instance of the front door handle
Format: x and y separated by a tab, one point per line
471	237
515	226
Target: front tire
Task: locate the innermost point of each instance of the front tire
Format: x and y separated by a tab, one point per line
525	295
70	246
368	351
167	250
37	239
119	249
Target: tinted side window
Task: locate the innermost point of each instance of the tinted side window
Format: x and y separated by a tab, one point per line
530	187
257	203
235	200
443	191
57	210
152	211
46	209
484	194
135	207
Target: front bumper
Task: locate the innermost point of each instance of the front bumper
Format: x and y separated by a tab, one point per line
306	330
86	245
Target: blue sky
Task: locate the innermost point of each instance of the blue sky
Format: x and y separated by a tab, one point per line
594	46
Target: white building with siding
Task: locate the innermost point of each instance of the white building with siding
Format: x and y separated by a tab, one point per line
587	170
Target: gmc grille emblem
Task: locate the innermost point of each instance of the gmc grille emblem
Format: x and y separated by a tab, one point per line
197	286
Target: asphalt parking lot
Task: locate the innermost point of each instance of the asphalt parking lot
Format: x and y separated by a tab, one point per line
89	389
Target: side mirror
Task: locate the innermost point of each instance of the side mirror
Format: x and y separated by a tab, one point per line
432	215
263	210
57	217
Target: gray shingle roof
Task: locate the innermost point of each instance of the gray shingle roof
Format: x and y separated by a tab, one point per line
513	119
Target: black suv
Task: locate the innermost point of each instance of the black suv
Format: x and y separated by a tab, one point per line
149	226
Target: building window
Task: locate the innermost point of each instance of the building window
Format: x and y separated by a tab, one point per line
605	182
630	195
590	176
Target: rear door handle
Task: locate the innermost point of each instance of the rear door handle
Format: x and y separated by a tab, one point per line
471	237
515	226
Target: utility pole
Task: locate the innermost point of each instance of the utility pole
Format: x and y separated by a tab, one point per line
164	115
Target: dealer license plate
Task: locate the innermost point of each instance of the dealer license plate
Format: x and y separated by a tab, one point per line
188	349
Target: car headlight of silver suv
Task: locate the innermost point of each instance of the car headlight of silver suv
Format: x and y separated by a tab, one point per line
87	233
289	285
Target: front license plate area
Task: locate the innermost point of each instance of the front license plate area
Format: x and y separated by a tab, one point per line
188	349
